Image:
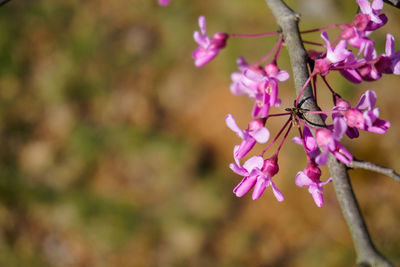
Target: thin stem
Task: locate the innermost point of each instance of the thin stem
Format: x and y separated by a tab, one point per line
312	43
284	139
280	43
322	28
251	35
276	137
279	114
269	54
329	87
323	111
302	90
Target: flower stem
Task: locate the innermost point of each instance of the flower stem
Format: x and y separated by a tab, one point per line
302	89
276	137
322	28
312	43
284	138
250	35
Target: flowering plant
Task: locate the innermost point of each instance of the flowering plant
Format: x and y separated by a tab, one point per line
353	54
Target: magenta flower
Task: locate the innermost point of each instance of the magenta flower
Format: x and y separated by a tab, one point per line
208	48
262	84
363	116
354	32
372	122
333	56
163	2
311	177
237	86
257	174
373	10
390	61
328	142
256	132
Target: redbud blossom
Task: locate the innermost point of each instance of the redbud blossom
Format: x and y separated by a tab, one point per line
311	177
256	132
258	175
208	48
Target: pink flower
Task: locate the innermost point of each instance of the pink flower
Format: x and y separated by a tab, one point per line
333	56
163	2
256	132
390	61
311	177
328	142
262	85
372	123
363	116
257	174
373	10
237	86
208	48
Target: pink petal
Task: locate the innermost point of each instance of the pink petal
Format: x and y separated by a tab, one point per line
318	198
377	5
259	188
200	39
339	127
343	154
389	47
278	194
261	135
322	158
282	76
351	75
302	180
297	140
371	98
238	170
364	6
244	186
231	123
202	24
253	162
254	75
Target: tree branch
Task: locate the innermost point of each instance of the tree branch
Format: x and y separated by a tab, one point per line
366	165
395	3
3	2
366	252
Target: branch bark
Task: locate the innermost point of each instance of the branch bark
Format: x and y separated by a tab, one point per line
395	3
367	255
3	2
366	165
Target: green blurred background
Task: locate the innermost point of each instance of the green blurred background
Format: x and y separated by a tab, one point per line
114	150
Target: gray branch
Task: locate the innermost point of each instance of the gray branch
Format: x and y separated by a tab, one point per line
288	20
395	3
366	165
3	2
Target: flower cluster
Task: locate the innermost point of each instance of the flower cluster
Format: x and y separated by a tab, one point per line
352	53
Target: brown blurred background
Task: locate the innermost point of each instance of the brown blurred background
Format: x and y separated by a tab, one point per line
114	150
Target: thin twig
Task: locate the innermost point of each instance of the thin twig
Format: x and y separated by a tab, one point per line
395	3
3	2
366	165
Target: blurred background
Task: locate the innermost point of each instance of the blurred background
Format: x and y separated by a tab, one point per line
114	150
